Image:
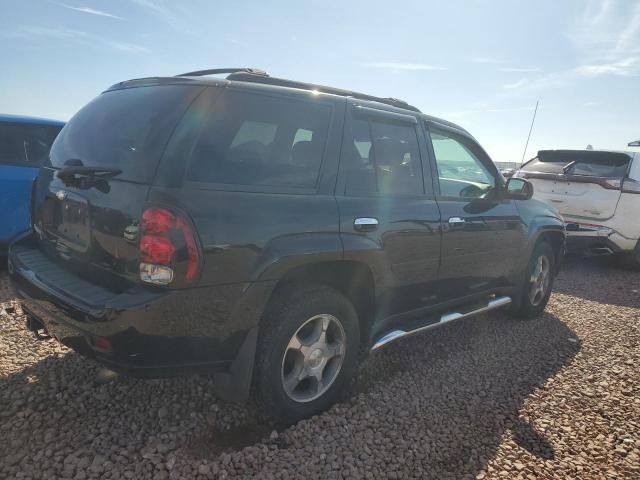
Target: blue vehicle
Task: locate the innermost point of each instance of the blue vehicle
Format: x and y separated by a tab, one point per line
24	144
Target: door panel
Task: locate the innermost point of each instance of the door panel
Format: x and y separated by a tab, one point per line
15	194
381	178
480	253
482	234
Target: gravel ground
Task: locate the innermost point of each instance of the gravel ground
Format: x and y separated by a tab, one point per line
490	397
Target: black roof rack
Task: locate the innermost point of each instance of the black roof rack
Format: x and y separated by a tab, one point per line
247	76
218	71
257	75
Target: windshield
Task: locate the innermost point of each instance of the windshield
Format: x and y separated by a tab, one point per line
583	163
125	129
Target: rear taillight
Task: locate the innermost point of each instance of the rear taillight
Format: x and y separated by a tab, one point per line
629	185
612	183
169	251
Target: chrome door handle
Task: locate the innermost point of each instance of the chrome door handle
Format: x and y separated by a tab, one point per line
365	224
456	221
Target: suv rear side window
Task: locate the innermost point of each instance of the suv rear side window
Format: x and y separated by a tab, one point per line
25	144
126	129
383	158
258	140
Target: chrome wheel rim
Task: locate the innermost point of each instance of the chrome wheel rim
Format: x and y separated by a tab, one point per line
539	281
313	358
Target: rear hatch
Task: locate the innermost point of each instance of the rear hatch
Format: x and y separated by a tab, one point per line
90	195
583	184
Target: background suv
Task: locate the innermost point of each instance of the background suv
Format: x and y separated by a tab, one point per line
24	144
597	193
271	231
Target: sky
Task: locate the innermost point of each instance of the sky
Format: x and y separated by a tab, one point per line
481	64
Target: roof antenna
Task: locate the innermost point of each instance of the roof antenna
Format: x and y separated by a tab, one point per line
530	130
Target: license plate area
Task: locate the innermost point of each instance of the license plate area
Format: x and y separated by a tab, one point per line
72	227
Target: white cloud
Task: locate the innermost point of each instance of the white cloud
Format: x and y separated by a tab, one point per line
127	47
514	85
30	32
487	60
403	66
520	69
623	68
88	10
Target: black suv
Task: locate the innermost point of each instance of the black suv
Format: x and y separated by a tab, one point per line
270	231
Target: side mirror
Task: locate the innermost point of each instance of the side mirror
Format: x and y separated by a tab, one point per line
519	189
635	144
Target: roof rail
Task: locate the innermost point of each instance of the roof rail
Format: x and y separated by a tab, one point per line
247	75
217	71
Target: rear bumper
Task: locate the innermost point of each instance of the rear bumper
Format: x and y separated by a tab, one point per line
592	240
143	331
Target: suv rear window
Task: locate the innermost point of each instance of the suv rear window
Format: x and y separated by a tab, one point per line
258	140
126	129
584	163
25	144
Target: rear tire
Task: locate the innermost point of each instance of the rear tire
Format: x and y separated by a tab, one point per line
307	352
538	281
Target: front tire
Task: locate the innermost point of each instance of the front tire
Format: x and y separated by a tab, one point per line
538	282
307	352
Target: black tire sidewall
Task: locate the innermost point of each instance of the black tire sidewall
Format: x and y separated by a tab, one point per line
290	311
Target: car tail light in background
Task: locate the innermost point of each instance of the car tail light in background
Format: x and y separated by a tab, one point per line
169	251
630	185
612	183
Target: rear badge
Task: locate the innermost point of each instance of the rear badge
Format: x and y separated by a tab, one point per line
61	195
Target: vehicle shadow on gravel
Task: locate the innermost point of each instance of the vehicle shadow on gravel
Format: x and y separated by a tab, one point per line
436	405
599	279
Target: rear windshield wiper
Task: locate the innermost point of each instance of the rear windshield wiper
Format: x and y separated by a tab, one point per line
568	166
87	177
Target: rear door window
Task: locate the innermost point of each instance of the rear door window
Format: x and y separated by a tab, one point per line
126	129
25	144
383	158
260	140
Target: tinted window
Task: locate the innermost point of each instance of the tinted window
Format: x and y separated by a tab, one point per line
383	158
24	144
126	129
461	173
586	163
252	139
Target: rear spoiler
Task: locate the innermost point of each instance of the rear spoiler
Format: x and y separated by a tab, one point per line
605	182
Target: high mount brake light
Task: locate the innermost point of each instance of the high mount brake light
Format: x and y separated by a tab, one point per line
167	246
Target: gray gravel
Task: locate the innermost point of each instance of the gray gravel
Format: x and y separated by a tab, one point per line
490	397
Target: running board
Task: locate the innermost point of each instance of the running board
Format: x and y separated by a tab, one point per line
446	318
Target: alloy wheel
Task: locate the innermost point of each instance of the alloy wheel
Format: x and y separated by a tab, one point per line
313	358
540	280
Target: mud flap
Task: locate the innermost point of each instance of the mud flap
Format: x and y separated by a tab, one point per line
235	385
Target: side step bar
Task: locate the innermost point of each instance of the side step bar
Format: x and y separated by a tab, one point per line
445	318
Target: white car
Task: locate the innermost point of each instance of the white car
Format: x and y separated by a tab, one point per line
597	193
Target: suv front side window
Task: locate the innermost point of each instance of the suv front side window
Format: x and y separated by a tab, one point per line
461	173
